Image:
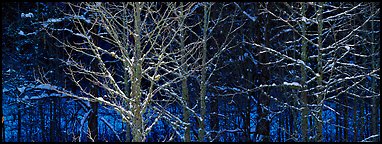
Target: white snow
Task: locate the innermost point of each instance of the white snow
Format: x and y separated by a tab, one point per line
81	35
82	18
296	84
10	70
235	89
5	90
304	19
44	24
46	87
25	97
54	20
370	137
22	89
28	15
245	54
21	33
100	99
97	4
253	18
347	48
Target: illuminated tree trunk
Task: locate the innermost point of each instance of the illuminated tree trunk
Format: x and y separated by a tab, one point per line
126	79
137	127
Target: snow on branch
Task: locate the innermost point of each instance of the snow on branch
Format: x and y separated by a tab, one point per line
293	84
370	137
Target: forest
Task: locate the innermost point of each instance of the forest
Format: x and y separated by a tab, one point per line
190	72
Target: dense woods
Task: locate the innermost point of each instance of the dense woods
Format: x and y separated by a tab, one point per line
190	71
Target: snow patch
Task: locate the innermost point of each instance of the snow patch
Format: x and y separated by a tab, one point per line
21	33
5	90
54	20
253	18
295	84
46	87
100	99
22	89
28	15
10	70
347	48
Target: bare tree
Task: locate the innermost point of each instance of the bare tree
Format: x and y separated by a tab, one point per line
141	37
326	45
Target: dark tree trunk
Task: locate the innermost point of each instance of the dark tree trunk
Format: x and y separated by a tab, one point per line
264	123
42	123
346	124
51	124
214	117
2	119
18	122
93	121
93	115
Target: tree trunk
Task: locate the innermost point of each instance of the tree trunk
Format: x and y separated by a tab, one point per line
42	123
51	120
93	135
186	99
340	129
346	123
203	89
294	101
127	93
214	118
248	105
337	123
57	120
93	118
137	127
304	115
279	121
263	127
2	138
355	121
320	100
18	122
355	101
374	108
126	76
